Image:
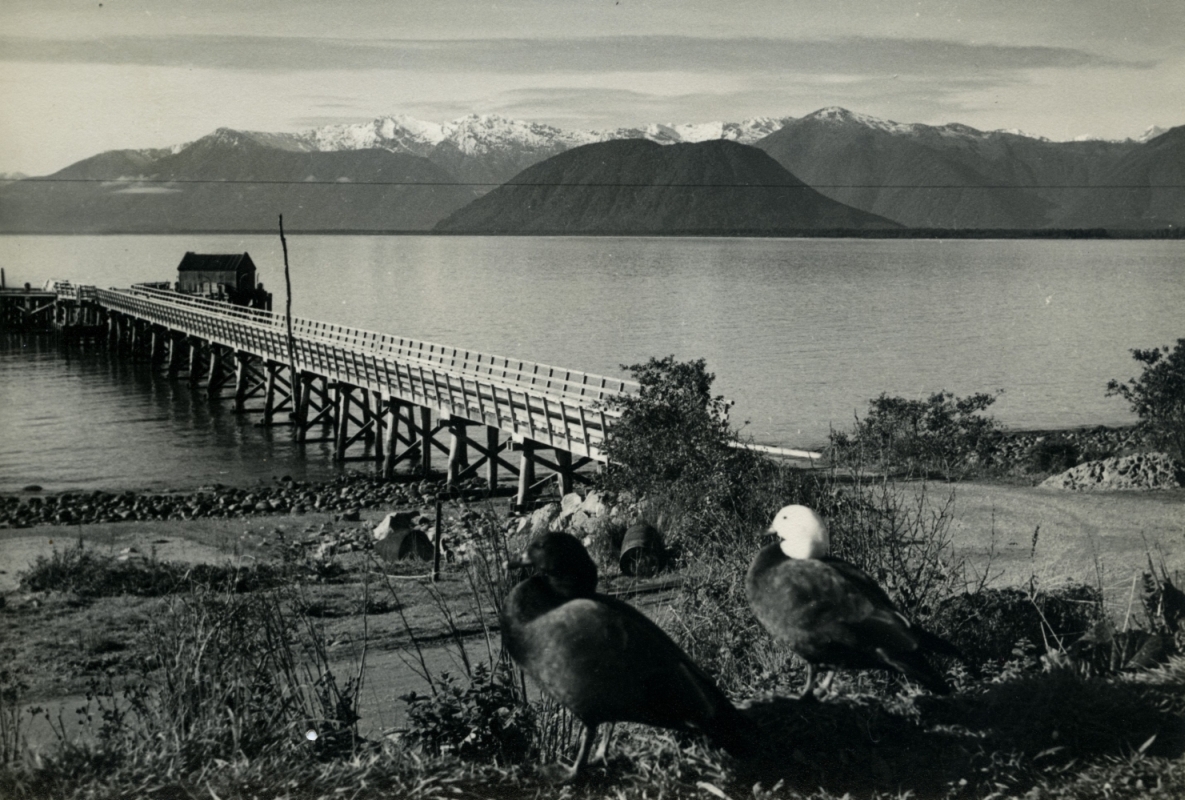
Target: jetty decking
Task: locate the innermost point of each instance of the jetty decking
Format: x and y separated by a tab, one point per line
398	394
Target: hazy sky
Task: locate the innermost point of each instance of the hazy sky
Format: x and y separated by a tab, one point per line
77	78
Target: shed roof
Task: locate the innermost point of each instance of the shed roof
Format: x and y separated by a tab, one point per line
215	262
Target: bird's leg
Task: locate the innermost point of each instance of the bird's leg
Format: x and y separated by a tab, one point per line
808	691
603	747
582	756
555	773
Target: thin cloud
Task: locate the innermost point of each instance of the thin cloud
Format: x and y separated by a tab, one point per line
940	99
553	55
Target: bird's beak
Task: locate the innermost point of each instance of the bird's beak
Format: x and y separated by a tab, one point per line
520	561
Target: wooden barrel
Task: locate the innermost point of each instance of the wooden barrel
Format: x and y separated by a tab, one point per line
642	551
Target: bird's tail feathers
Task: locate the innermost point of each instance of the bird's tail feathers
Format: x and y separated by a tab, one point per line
915	667
936	644
733	732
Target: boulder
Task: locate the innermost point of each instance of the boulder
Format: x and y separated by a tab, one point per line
541	520
595	504
570	503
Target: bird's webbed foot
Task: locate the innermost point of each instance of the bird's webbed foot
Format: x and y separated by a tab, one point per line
559	774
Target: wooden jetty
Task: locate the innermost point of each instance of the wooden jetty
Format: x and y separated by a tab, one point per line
401	396
58	306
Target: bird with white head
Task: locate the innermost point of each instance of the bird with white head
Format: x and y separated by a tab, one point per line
832	613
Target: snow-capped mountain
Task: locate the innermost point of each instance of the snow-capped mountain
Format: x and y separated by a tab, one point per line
473	135
843	117
403	173
1152	132
489	148
479	134
744	132
486	150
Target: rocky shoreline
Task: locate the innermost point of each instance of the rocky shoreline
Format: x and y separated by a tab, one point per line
347	494
1035	454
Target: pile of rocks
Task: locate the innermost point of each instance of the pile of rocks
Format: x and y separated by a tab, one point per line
1020	450
346	493
1136	472
580	516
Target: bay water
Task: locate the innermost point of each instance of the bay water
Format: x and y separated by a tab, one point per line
801	333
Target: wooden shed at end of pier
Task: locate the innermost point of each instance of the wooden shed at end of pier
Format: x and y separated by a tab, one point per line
204	273
229	276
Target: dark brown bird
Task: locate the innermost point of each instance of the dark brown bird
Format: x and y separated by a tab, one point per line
603	659
832	613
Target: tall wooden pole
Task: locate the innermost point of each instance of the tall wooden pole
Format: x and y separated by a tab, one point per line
292	374
436	542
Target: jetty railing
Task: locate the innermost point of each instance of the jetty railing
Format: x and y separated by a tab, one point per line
556	407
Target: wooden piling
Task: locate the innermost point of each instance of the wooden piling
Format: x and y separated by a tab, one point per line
341	396
458	450
526	473
176	342
492	460
436	543
563	460
214	378
269	393
195	362
426	440
302	406
242	378
392	438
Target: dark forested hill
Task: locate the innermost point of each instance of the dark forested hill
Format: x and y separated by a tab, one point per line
638	186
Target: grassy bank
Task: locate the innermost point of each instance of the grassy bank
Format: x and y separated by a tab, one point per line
1044	719
259	673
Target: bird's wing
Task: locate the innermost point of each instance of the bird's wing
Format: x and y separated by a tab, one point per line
859	578
649	646
822	603
886	613
878	624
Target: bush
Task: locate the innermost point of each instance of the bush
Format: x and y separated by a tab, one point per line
1054	455
674	445
484	721
1157	396
672	432
90	574
901	537
990	625
943	435
226	676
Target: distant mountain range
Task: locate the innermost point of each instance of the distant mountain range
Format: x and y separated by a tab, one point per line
234	181
401	174
955	176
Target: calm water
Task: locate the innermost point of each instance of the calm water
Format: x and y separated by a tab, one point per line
800	333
